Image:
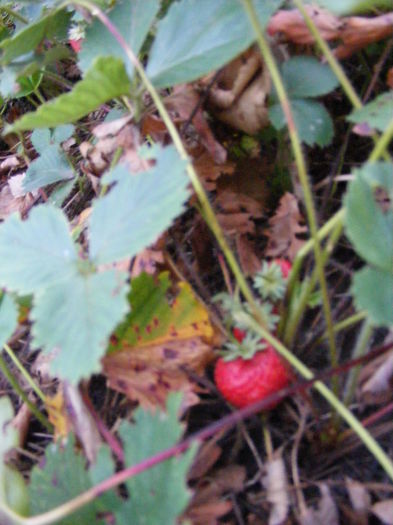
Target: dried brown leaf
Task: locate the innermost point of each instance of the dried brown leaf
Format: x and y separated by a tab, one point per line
376	380
275	482
185	101
384	511
326	512
207	504
352	33
358	494
249	260
148	373
285	226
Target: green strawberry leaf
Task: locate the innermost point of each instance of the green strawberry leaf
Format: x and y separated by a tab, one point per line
377	114
36	253
64	476
106	79
373	291
51	166
214	35
132	20
138	209
55	24
368	226
159	494
313	122
8	318
305	77
75	318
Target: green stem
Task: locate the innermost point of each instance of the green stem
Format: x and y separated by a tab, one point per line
25	373
15	385
359	350
323	232
382	143
301	304
198	188
302	172
334	64
346	323
363	434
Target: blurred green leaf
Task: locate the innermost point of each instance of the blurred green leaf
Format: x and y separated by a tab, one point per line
207	37
159	494
105	80
132	20
377	114
138	209
312	121
305	77
373	291
370	228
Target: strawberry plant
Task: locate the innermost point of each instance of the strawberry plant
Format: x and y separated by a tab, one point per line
107	145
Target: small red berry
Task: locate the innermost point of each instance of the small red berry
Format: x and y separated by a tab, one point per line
75	44
285	266
245	381
238	334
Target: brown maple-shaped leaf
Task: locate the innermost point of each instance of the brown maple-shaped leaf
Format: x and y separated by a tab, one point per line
285	226
162	345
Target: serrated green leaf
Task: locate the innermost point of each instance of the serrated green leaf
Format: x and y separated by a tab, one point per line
138	209
211	34
8	318
305	77
313	122
53	24
75	318
37	252
373	291
160	494
378	113
132	20
63	477
368	227
51	166
105	80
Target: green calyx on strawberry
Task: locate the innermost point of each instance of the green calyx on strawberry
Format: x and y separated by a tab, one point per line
245	380
271	279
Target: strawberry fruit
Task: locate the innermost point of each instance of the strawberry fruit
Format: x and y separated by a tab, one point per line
245	381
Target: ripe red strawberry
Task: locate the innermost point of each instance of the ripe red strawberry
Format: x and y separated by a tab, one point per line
76	44
285	266
245	381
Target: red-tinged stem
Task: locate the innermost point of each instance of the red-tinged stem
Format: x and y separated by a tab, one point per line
207	432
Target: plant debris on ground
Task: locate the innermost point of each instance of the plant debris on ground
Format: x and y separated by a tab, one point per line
196	262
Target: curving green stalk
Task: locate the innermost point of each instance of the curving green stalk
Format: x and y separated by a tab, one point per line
335	65
205	205
302	172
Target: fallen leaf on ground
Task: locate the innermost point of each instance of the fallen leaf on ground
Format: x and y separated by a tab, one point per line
275	481
185	102
208	503
352	33
384	511
326	512
160	344
285	226
360	500
208	170
10	203
376	380
248	259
